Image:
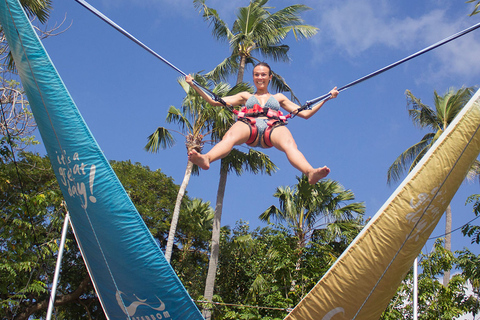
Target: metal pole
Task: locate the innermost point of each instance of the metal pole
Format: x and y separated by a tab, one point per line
57	268
415	289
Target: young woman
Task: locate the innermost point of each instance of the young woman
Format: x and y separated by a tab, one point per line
277	136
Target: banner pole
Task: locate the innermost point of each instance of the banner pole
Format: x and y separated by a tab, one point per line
57	268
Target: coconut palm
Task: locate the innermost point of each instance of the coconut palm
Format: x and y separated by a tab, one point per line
256	31
436	121
195	120
197	227
307	208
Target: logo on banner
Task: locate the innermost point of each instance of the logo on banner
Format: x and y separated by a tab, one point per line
131	309
333	312
429	207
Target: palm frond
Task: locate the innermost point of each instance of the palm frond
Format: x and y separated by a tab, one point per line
253	161
272	211
226	68
276	52
476	8
161	138
451	103
220	29
421	114
474	172
279	85
408	157
40	9
174	115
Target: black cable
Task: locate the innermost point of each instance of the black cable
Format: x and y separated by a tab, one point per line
131	37
373	74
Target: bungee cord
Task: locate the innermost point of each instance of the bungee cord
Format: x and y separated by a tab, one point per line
308	104
379	71
141	44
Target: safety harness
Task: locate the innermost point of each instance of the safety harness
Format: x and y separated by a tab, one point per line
248	116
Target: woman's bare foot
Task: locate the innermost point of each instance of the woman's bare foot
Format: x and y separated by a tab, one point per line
316	174
199	159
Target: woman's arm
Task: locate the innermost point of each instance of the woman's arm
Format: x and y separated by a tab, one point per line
305	114
235	100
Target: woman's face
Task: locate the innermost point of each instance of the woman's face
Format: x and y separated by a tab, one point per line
261	77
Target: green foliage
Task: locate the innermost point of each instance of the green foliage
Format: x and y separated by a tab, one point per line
190	257
152	192
30	224
470	230
39	9
307	209
259	273
436	301
31	220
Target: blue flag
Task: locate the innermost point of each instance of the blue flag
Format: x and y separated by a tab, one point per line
131	276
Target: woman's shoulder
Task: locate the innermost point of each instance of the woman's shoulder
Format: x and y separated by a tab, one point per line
239	98
280	97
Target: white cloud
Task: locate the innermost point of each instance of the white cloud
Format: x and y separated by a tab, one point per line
354	27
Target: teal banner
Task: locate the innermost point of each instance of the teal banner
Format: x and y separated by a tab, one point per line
130	274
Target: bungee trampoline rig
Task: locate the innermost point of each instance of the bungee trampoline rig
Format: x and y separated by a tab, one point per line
109	230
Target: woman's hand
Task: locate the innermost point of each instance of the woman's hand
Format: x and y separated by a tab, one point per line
189	79
334	93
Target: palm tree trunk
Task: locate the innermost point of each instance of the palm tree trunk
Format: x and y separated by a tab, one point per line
448	240
215	245
176	211
300	246
241	69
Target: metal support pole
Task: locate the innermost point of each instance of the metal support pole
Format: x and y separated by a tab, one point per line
57	268
415	289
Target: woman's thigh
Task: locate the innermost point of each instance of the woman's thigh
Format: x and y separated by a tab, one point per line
282	138
238	133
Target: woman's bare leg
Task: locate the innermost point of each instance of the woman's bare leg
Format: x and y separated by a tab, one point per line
283	140
236	135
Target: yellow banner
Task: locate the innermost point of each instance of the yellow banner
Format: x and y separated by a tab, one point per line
366	276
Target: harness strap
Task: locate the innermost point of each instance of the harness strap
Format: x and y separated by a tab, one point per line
271	124
252	124
258	111
276	118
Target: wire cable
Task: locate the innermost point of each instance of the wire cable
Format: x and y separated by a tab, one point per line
456	229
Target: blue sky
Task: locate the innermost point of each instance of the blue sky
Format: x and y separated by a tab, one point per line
123	92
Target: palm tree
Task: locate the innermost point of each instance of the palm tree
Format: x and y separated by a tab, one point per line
38	8
195	122
255	31
436	121
307	208
199	225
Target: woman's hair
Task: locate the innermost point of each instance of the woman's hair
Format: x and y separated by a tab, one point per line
264	64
